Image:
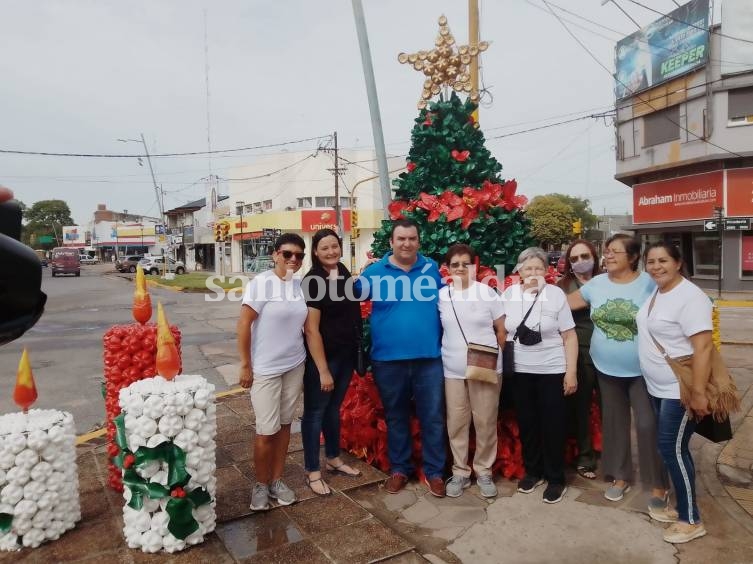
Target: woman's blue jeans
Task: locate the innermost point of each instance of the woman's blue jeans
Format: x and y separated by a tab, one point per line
321	410
674	429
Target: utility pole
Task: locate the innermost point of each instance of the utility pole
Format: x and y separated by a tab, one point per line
336	171
719	214
473	42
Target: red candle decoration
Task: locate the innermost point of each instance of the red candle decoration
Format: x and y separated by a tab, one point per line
25	392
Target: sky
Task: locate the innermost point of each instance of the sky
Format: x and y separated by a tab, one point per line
78	75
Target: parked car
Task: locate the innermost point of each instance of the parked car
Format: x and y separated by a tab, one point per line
65	261
86	259
156	264
127	263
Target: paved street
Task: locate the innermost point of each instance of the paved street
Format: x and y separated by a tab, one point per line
65	346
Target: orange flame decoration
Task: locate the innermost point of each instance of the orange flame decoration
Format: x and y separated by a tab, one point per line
168	359
142	302
25	392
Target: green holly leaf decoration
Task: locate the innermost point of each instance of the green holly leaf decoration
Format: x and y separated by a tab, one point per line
6	520
181	522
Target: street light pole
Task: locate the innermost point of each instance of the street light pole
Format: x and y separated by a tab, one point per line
239	204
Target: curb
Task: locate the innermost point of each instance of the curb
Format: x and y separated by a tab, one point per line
102	431
734	303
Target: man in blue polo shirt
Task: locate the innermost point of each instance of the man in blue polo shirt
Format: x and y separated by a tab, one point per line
406	354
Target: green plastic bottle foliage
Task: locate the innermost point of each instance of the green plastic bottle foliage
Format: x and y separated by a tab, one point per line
497	235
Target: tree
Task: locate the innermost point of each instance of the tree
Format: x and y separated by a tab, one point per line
552	220
46	218
453	190
582	209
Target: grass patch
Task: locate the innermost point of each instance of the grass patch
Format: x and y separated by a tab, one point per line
196	281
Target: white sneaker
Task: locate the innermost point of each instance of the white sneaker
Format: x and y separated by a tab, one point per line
486	486
456	485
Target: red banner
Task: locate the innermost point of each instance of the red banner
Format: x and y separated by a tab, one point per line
314	220
746	254
740	192
678	199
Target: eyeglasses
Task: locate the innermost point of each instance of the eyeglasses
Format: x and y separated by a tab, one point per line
287	255
582	256
460	264
610	252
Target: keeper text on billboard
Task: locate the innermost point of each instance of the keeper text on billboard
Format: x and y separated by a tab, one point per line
678	199
669	47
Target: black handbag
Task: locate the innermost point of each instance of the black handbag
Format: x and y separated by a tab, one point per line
713	430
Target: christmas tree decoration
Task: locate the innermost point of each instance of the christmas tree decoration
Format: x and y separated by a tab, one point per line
445	65
39	498
168	357
454	191
25	392
142	302
166	440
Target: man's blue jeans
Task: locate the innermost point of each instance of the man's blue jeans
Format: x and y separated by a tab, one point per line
321	410
674	429
398	382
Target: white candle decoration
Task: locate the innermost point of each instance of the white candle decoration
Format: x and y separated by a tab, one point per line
38	477
157	411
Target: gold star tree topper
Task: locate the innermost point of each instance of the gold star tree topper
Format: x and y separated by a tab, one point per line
445	65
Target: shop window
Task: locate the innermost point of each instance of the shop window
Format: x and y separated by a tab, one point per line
325	201
740	105
706	257
746	254
305	202
661	127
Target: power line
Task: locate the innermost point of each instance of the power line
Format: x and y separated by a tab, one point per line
192	153
267	174
606	114
598	62
720	34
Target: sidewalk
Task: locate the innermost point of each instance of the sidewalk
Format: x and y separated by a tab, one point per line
360	522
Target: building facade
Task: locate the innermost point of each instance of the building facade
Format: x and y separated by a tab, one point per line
685	149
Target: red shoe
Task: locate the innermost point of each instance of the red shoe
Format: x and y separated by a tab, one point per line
435	485
395	483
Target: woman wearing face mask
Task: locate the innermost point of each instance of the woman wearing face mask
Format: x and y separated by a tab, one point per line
582	266
614	299
332	331
540	324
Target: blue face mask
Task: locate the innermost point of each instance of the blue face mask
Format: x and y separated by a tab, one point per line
582	266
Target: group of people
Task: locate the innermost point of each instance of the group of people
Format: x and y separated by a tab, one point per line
590	331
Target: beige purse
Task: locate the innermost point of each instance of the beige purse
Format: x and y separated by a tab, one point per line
481	360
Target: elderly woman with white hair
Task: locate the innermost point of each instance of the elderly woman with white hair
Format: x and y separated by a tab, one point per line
540	324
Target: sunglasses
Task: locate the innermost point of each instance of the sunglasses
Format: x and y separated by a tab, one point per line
287	255
460	264
582	256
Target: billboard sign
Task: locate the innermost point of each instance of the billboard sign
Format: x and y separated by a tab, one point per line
669	47
740	192
314	220
73	236
678	199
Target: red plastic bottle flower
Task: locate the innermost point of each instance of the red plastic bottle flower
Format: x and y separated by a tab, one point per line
410	167
128	460
397	207
460	156
435	206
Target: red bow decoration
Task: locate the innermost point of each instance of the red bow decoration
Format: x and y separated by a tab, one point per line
460	156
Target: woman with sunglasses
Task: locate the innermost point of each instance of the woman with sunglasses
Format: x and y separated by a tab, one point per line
582	265
614	299
540	324
470	312
270	345
332	331
677	318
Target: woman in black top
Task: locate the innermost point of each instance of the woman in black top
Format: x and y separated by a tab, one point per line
332	330
582	265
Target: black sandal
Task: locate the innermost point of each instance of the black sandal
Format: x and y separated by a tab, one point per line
587	472
309	481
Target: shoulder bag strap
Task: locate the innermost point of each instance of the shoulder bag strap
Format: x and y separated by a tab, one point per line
456	317
661	349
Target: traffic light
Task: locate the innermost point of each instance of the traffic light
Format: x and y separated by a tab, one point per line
226	232
354	232
577	227
217	233
353	218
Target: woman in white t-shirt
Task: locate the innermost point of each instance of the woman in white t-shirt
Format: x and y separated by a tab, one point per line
272	355
678	318
470	312
545	371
